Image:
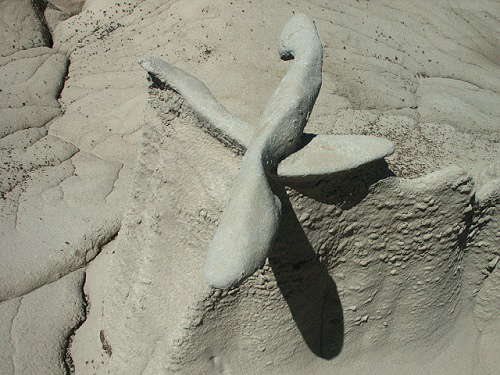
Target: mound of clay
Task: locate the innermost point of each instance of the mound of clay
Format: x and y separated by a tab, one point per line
378	267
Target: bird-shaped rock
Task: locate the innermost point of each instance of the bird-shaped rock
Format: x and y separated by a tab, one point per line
276	148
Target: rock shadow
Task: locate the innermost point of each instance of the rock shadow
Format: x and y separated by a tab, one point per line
308	289
304	281
344	189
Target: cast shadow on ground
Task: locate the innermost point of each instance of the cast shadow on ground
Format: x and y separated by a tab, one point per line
308	289
304	281
342	189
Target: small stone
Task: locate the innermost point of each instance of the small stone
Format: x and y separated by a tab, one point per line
427	236
304	217
493	263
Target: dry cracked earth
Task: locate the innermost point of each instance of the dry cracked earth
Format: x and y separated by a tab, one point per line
109	194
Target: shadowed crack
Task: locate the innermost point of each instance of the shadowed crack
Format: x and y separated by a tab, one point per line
68	360
40	6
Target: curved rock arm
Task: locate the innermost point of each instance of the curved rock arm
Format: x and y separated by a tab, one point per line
250	221
289	108
219	122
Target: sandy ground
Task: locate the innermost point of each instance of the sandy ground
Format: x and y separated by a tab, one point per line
110	194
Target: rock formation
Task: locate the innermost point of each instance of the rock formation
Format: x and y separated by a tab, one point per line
250	222
113	190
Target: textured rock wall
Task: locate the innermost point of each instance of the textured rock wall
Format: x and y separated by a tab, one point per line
363	260
423	74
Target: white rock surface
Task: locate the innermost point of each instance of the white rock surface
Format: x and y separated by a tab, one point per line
58	205
21	27
328	155
68	6
57	201
424	75
36	326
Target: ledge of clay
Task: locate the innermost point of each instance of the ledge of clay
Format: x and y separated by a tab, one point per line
330	154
